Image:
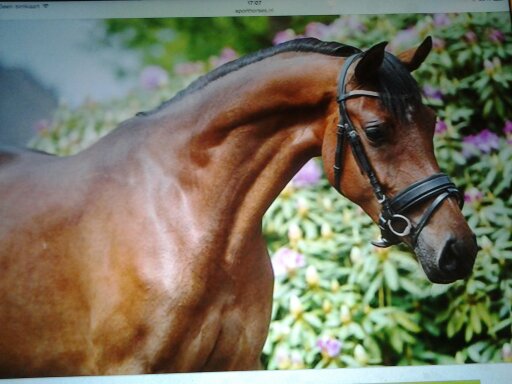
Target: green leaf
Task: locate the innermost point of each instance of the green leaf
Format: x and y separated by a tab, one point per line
390	275
502	324
405	321
475	320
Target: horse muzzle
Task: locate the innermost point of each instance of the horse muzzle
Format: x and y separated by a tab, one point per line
452	260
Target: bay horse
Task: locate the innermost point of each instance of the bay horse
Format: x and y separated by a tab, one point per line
144	253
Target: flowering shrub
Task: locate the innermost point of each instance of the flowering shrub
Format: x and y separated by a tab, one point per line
374	302
339	301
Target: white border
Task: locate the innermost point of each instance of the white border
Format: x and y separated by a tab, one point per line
485	373
210	8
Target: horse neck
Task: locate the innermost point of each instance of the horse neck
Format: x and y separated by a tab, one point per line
237	142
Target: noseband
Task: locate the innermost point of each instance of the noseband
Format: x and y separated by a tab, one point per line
393	222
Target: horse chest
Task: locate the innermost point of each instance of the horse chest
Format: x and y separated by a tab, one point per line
184	331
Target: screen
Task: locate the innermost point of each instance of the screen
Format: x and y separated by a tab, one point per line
171	176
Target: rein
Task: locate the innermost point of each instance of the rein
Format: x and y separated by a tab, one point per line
393	223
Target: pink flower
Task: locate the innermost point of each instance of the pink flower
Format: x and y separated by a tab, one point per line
226	55
496	36
283	36
473	195
441	20
471	37
438	44
310	174
153	77
353	23
286	261
441	127
316	29
189	68
329	346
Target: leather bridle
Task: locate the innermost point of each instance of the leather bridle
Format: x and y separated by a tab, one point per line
393	222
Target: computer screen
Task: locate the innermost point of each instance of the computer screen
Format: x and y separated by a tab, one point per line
295	191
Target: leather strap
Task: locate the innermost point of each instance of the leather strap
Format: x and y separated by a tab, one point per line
423	190
393	223
343	124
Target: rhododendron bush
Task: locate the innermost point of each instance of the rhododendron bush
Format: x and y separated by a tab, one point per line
338	300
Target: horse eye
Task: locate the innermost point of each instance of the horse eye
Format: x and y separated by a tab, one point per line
375	134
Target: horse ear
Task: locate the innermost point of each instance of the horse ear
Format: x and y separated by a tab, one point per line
366	69
412	58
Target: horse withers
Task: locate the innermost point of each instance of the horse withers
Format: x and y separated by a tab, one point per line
144	252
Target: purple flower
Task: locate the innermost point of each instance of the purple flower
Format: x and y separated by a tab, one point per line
353	23
309	174
404	38
507	129
153	77
473	195
496	36
330	347
282	36
441	127
316	29
483	142
286	261
471	37
432	93
441	20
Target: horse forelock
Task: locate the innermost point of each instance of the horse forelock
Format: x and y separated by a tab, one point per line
297	45
399	91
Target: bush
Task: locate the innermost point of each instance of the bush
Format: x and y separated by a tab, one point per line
339	301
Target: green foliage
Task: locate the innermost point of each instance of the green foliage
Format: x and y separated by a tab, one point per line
168	41
471	64
347	303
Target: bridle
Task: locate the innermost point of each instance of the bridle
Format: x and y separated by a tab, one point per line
393	222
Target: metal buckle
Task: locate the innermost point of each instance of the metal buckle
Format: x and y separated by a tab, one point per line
399	220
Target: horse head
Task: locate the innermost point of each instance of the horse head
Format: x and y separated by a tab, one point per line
390	170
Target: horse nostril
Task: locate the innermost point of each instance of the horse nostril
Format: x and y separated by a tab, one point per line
458	256
448	261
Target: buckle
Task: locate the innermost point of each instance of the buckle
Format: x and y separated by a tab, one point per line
399	225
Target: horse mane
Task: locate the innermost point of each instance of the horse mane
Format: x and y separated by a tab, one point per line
397	87
297	45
